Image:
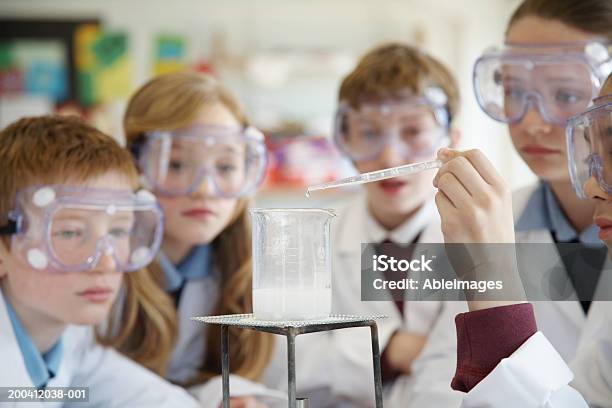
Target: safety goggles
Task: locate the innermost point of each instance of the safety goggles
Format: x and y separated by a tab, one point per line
560	80
232	161
403	123
589	146
69	229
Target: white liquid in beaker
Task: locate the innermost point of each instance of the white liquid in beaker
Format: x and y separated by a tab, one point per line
291	304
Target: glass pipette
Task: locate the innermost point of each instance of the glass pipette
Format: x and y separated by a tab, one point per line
377	175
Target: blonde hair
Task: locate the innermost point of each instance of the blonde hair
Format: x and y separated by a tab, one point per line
392	68
173	101
53	150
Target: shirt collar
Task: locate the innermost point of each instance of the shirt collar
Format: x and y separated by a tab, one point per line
544	212
196	265
40	367
405	233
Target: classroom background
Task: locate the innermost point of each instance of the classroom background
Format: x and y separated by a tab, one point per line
284	59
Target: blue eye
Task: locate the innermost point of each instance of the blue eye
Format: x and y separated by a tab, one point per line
226	168
68	234
119	232
369	134
567	97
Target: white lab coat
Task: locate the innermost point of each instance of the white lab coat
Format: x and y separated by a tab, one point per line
592	366
349	356
199	298
537	375
534	376
113	380
562	322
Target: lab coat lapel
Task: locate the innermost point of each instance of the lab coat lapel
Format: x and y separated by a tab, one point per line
433	231
349	250
199	298
570	308
351	228
13	372
604	286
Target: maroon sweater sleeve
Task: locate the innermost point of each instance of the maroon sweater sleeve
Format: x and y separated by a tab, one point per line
487	336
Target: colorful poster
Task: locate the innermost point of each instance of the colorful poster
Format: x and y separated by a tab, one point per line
169	54
34	67
103	64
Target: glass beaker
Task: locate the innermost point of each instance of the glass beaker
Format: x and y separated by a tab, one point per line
291	263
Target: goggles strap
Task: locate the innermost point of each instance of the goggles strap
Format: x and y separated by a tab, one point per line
9	228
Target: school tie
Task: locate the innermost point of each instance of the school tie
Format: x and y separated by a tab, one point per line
390	248
584	263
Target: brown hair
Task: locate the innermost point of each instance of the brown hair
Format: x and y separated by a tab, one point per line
591	16
54	149
173	101
390	69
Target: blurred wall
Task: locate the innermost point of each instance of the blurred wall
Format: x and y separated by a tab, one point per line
251	32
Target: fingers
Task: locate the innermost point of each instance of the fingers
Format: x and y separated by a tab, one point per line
444	204
246	402
484	167
478	161
474	171
445	154
471	198
240	402
465	174
454	191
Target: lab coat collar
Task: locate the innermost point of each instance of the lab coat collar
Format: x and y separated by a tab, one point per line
403	234
17	376
542	211
528	203
362	228
196	265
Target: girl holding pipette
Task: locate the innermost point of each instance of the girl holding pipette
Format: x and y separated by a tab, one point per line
503	360
556	57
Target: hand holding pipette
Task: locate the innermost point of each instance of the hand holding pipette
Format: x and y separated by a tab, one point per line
475	207
474	202
470	188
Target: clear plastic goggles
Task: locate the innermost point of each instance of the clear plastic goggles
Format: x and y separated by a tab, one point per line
362	134
589	147
69	229
560	80
232	161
